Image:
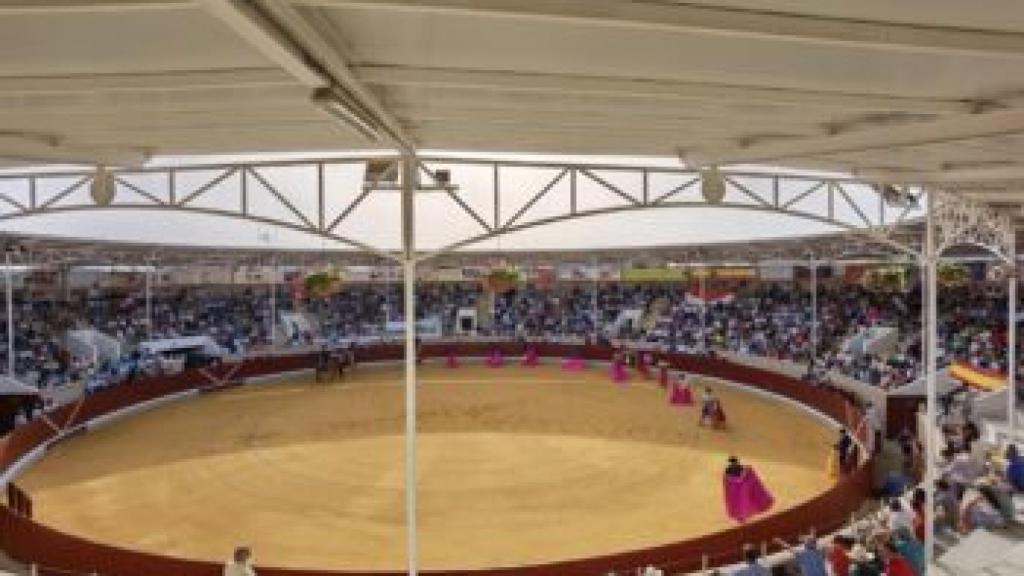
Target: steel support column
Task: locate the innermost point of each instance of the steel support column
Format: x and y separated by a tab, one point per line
814	310
1011	343
924	315
10	313
149	302
409	170
931	370
273	309
595	311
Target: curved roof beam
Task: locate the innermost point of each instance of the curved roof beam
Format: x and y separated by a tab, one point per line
691	16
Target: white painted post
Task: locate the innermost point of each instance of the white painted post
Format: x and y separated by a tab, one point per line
409	167
704	310
814	311
595	311
931	368
1011	351
10	314
273	309
149	302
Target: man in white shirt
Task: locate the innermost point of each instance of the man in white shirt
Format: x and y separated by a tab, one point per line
872	423
900	517
240	564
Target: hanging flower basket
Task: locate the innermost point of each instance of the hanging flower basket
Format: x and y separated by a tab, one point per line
952	275
887	278
323	284
501	280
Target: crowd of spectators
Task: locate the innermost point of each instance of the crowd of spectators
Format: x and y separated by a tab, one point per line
772	320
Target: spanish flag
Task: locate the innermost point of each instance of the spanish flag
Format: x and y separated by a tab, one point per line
987	380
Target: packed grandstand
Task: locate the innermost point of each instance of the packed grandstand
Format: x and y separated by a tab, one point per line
748	316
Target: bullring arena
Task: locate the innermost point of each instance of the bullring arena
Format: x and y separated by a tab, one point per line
545	466
511	288
554	471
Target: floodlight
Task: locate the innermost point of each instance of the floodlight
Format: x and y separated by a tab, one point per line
381	172
895	197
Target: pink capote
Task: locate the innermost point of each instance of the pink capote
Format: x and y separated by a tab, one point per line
663	376
745	495
643	365
680	394
496	359
531	358
619	373
452	360
573	364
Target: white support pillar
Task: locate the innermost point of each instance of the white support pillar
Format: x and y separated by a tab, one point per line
924	317
931	369
273	308
409	169
10	314
1011	348
595	310
814	311
149	302
704	310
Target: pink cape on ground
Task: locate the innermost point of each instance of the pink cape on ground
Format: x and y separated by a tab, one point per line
680	395
619	373
573	364
530	358
496	359
745	495
452	361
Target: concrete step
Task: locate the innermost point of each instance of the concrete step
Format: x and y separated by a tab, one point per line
984	553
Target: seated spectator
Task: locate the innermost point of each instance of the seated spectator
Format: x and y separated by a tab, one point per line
839	555
1014	471
910	548
751	564
895	563
810	560
976	511
863	563
899	517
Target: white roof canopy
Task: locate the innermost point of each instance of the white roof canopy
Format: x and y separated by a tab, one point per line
914	90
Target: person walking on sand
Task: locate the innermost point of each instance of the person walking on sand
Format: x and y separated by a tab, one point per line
240	563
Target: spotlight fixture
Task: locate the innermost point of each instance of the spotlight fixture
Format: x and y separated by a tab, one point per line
381	173
895	197
712	185
443	178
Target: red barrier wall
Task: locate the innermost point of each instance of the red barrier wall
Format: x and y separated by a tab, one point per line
29	541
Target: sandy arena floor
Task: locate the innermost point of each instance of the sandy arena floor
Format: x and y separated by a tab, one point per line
516	466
